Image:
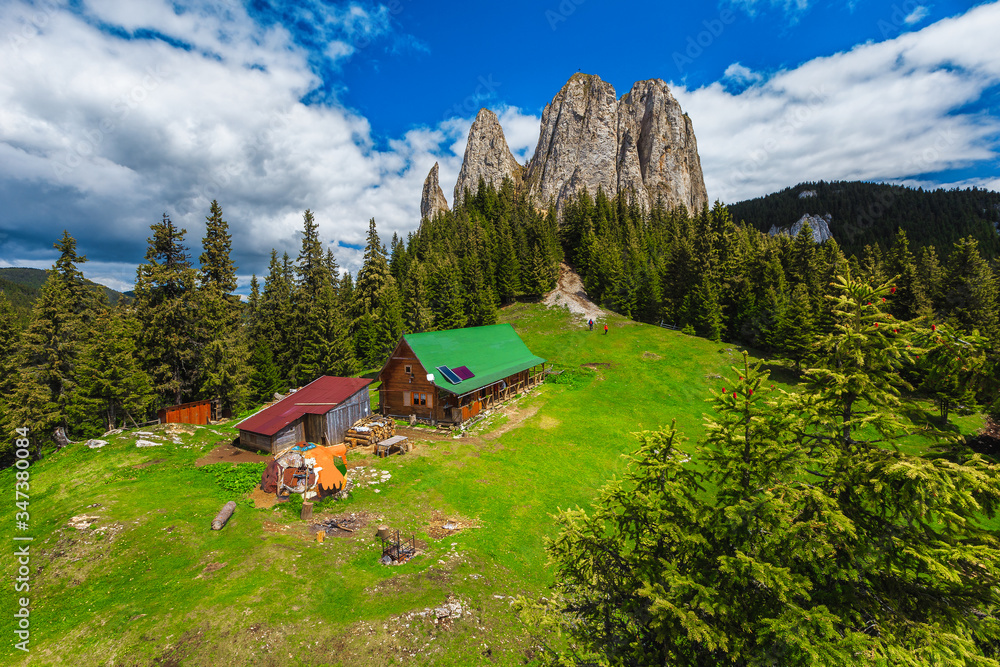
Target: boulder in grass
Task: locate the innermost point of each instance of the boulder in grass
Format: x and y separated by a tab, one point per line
147	443
96	444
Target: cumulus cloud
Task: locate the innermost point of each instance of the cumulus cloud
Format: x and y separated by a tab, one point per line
105	124
900	110
741	75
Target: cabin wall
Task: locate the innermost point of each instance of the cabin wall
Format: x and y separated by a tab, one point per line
398	386
289	436
337	422
255	441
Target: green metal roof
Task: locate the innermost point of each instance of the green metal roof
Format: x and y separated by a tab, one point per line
491	352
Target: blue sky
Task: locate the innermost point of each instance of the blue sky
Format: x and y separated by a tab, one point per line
113	112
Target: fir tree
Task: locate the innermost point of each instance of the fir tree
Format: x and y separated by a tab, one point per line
111	380
166	305
797	329
217	267
265	377
969	291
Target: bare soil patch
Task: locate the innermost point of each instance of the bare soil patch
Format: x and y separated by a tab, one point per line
342	525
651	356
441	525
516	418
227	453
594	365
569	293
262	499
149	463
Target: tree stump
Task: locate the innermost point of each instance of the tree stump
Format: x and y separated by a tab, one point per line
222	517
59	435
383	532
307	510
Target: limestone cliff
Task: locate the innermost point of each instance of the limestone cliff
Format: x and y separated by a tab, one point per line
487	156
641	145
819	224
432	199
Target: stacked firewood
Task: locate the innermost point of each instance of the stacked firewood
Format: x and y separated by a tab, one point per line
369	431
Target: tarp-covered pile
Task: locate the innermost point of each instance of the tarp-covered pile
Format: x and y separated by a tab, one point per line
307	469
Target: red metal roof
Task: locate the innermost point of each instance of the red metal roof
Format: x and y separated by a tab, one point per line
318	397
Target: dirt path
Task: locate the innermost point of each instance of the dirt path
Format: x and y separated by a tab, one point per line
569	293
229	454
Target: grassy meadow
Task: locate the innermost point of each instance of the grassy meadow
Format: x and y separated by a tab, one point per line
148	583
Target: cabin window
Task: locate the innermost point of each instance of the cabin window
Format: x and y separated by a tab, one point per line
419	399
409	369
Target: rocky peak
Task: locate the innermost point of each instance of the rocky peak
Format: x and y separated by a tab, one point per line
642	144
578	143
819	224
656	139
432	199
487	156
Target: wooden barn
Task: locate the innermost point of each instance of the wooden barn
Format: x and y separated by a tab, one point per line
320	412
451	376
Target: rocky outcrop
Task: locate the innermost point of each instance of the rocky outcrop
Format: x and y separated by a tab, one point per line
641	145
819	224
487	157
432	199
657	136
578	143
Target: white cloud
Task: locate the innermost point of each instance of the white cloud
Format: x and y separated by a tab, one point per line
917	15
893	110
107	133
741	74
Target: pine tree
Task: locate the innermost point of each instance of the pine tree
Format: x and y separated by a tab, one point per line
275	319
217	267
447	298
166	304
800	534
111	380
797	329
47	358
265	377
224	371
419	317
969	291
705	311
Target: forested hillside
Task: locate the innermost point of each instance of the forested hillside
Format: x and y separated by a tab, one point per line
87	366
22	286
871	213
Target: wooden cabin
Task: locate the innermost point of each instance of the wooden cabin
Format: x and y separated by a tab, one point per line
320	412
451	376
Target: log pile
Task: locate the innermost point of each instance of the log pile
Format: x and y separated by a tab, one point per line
368	431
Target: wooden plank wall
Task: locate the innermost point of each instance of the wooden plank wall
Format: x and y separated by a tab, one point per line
341	418
396	381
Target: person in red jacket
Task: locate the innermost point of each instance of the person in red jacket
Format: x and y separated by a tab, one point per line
605	329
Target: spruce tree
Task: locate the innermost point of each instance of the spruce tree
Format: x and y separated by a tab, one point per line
47	360
111	380
166	304
969	290
797	328
224	371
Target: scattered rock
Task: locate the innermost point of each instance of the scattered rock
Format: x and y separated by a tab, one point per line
96	444
83	521
147	443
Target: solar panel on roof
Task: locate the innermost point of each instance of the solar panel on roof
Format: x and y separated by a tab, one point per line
464	372
449	374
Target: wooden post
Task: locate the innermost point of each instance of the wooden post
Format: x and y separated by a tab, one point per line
307	510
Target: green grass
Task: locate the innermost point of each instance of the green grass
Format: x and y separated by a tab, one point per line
156	586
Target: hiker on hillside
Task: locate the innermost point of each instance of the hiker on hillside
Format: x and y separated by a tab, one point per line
590	323
605	328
